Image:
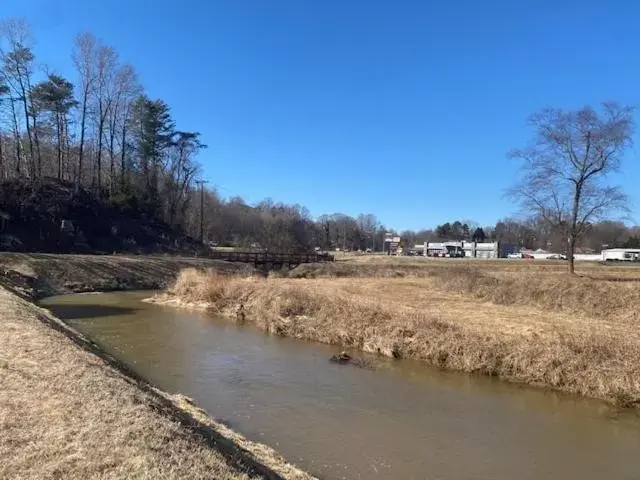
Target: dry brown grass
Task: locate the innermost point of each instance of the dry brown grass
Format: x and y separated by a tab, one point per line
66	413
597	290
552	331
39	274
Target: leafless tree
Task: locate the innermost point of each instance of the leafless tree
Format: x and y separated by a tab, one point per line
105	92
180	174
83	56
368	225
566	167
126	90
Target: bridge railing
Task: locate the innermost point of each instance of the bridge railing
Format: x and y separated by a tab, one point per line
270	257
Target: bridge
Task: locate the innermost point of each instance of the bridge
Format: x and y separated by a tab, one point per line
270	259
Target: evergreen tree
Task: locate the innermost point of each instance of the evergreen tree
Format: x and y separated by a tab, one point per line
153	133
478	235
54	97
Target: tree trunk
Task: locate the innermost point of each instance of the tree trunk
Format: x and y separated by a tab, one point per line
59	135
36	139
16	135
572	249
1	159
66	169
123	154
573	233
112	137
99	159
36	142
26	116
83	120
112	167
112	170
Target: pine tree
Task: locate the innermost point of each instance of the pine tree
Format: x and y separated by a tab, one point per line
54	96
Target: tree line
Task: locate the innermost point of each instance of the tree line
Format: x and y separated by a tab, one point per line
99	130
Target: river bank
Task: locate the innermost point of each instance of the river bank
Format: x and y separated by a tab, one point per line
548	332
38	275
69	410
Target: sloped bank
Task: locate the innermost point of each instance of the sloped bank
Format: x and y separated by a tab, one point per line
38	275
69	410
351	313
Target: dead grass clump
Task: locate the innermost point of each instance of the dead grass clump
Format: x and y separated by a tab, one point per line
358	270
550	292
190	284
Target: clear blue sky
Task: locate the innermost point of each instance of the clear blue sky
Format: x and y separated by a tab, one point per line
405	109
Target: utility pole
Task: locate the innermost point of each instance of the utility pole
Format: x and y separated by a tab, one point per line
201	183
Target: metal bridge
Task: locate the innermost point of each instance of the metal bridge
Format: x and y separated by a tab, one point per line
270	259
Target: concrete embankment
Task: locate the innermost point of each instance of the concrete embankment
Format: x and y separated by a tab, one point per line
68	410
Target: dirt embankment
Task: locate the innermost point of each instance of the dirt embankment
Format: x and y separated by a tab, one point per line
39	275
68	410
575	335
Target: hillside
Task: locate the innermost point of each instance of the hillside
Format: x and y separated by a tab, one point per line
55	217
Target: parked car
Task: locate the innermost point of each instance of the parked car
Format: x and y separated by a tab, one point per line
528	256
514	255
556	256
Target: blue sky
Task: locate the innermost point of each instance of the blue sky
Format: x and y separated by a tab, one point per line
405	109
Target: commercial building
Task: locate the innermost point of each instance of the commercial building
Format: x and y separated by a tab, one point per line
392	244
468	249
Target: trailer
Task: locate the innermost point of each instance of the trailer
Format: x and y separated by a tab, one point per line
621	255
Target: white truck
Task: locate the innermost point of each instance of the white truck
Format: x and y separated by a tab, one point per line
621	255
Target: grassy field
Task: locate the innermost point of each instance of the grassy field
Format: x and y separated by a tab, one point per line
524	322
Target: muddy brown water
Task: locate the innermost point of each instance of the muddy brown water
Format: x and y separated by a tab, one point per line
403	420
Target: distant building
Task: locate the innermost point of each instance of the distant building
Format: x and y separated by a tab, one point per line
470	249
392	244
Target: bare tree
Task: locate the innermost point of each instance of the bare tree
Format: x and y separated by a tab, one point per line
180	174
125	90
106	65
565	168
83	56
368	224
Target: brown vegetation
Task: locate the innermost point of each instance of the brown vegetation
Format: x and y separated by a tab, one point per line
528	325
67	413
37	275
